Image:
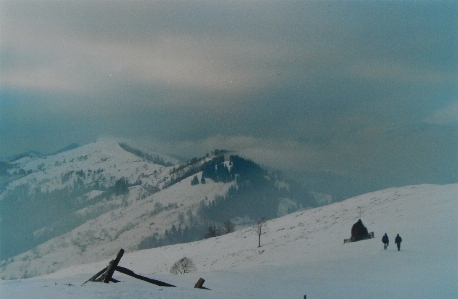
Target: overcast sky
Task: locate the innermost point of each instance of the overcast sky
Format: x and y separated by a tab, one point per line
356	88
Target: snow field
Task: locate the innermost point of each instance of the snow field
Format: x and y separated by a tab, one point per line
301	254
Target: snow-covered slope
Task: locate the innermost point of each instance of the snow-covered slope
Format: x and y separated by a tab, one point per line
301	254
44	197
57	171
81	205
123	227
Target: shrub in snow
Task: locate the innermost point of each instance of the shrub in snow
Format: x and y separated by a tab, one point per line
184	265
195	181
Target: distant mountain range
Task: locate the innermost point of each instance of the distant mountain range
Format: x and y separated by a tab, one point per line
86	202
37	154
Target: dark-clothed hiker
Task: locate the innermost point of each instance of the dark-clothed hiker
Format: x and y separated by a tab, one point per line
398	241
385	241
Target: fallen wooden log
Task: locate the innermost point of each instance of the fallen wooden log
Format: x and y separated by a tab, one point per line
153	281
106	275
94	278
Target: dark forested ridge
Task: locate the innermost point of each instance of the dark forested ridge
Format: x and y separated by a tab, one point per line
254	194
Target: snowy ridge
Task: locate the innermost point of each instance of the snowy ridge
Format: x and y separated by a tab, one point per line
86	215
301	253
46	172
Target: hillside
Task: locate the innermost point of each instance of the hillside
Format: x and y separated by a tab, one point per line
44	197
301	253
81	205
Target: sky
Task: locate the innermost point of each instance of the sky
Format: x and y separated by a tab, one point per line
361	89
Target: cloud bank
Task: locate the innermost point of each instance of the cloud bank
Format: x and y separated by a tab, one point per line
358	89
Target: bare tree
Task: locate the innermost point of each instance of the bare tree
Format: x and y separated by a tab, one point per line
182	266
191	217
181	218
258	227
212	232
228	227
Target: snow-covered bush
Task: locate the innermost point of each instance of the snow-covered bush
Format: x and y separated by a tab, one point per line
182	266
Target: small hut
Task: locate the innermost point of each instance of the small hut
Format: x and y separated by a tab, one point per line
359	232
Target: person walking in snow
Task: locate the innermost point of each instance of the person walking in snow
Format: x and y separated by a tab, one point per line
385	241
398	241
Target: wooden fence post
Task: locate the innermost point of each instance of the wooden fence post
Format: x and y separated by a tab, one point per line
199	284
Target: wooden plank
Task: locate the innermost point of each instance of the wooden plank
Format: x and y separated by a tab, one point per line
153	281
108	275
94	278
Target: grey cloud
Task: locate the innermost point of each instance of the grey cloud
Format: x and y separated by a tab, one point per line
317	84
443	116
